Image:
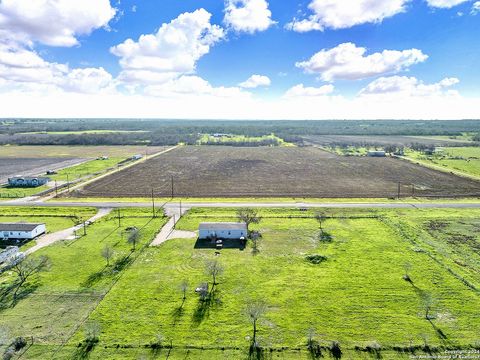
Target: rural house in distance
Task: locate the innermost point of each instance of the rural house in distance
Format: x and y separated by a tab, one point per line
21	231
224	230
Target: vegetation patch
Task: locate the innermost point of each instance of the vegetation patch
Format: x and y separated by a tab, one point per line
316	259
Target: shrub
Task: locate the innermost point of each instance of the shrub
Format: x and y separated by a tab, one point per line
316	259
19	343
325	237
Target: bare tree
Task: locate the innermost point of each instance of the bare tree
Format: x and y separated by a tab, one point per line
107	253
320	217
248	216
183	288
134	237
255	237
427	302
255	310
27	268
214	269
408	267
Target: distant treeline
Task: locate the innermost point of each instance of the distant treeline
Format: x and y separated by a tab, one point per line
170	132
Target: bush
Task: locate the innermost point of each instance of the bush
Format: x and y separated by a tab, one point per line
316	259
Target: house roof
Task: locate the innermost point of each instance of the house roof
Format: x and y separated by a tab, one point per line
29	178
223	226
18	226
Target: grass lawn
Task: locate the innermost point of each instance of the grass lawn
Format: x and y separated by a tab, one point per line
465	160
78	279
91	167
16	193
356	297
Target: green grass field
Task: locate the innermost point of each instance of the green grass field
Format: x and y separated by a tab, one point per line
209	139
16	193
461	159
63	297
357	296
88	168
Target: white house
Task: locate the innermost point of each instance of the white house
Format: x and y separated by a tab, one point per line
21	231
225	230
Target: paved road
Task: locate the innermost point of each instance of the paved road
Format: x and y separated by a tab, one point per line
172	205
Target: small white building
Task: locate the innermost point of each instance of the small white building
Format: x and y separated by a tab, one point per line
224	230
21	231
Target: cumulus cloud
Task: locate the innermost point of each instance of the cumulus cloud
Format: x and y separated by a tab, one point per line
445	4
173	51
301	91
349	62
255	81
475	8
20	67
52	22
403	86
341	14
248	16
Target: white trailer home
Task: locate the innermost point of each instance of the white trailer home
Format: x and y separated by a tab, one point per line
21	231
224	230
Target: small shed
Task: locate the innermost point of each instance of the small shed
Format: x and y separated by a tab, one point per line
27	181
377	153
21	231
222	230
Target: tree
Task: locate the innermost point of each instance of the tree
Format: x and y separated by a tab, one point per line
134	237
214	269
107	254
408	267
248	216
27	268
427	302
320	217
255	236
255	310
183	288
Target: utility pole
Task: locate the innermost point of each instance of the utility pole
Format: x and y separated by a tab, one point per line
180	207
172	186
84	228
68	184
118	215
398	190
174	222
56	189
153	204
413	190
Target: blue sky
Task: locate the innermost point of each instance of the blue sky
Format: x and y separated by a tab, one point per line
304	59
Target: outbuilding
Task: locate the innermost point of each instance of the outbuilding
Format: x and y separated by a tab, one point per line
21	231
27	181
223	230
376	153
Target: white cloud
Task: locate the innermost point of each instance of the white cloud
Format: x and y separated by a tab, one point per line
301	91
475	8
52	22
173	51
24	68
403	86
341	14
192	86
255	81
445	4
248	15
347	61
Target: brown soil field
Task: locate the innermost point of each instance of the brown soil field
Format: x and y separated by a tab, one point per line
32	166
59	151
209	171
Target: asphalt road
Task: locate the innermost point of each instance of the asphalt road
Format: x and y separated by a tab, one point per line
175	205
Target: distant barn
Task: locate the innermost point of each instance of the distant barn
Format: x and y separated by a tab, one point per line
377	153
27	181
21	231
223	230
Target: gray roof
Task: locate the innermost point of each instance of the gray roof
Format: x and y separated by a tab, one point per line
18	226
223	226
29	178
